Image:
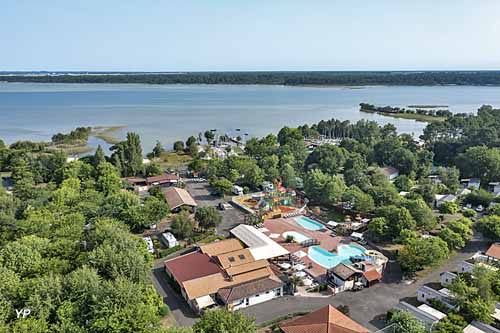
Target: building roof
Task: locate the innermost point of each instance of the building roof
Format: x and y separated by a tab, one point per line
445	197
260	245
431	311
135	180
389	171
235	258
372	275
165	178
478	327
251	266
177	197
182	267
210	284
494	251
246	289
324	320
343	271
220	247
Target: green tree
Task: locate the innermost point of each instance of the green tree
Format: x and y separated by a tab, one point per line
405	322
482	162
224	321
108	179
422	213
398	219
127	155
377	229
209	136
490	226
453	323
179	146
221	186
288	176
448	207
182	224
191	141
208	217
155	209
99	157
327	158
453	239
403	183
323	188
153	169
422	253
359	200
158	149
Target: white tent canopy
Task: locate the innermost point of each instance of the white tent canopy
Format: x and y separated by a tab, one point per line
260	245
204	301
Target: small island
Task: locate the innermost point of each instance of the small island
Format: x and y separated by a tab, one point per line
76	141
425	113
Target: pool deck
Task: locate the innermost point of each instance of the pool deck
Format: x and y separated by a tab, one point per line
281	225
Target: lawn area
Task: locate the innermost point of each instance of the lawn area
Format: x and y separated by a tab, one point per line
173	160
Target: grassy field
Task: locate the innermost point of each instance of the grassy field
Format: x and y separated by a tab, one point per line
73	149
173	160
107	133
417	117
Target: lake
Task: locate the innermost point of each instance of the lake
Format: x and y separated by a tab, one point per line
31	111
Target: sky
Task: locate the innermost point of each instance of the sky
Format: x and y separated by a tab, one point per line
236	35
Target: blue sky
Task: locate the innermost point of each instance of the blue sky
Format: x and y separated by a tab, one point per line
194	35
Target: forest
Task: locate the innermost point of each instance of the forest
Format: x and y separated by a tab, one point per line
425	78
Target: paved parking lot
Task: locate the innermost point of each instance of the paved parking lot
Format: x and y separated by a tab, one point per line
230	217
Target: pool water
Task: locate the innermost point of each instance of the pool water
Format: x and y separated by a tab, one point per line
328	260
297	236
309	224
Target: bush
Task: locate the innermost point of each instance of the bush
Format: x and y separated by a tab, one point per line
448	208
469	213
164	310
166	252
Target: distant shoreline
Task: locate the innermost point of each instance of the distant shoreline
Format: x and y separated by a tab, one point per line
333	79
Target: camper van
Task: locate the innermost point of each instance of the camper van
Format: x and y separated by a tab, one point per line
169	239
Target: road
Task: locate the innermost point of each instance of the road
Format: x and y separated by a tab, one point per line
368	305
230	217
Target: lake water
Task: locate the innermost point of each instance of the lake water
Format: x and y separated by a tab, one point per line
171	112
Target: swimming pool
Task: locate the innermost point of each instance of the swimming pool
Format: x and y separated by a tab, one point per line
309	224
297	236
328	260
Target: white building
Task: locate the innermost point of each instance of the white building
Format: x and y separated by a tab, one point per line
447	277
477	327
428	292
439	199
169	239
427	315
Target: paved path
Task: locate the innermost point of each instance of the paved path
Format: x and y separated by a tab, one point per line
368	305
183	314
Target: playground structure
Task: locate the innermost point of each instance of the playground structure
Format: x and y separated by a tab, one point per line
270	205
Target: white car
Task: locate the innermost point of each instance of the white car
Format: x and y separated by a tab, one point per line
479	208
